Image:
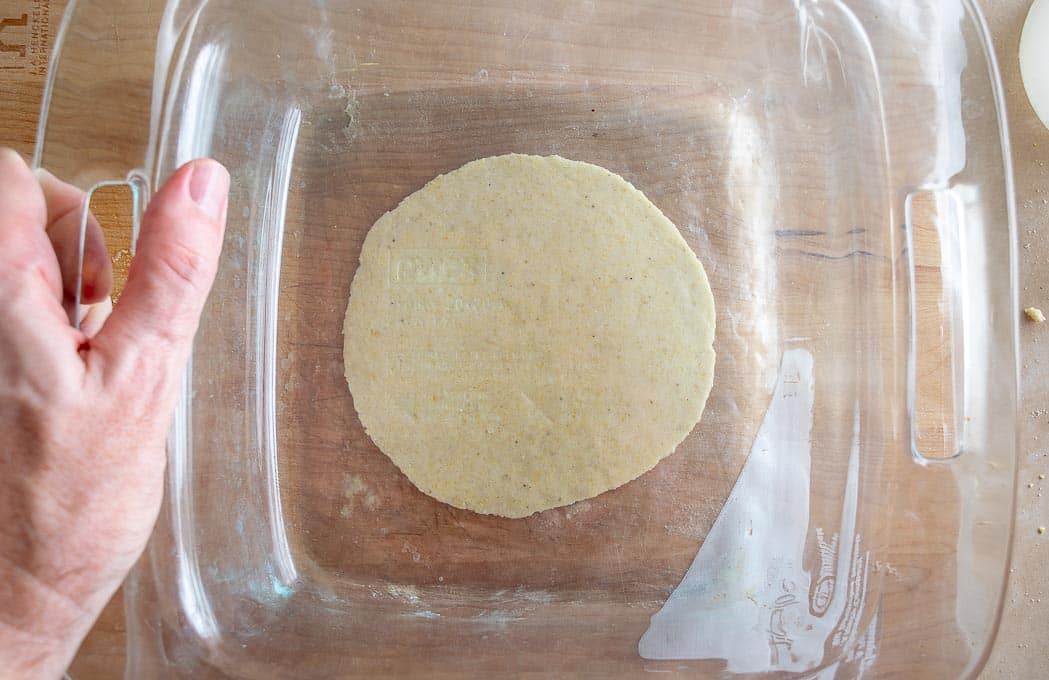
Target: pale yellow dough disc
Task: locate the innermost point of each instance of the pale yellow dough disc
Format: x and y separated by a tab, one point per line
526	332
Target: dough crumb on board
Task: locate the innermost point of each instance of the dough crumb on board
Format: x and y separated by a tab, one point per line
1034	314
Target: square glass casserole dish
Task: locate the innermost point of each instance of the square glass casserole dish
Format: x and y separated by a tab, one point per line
843	508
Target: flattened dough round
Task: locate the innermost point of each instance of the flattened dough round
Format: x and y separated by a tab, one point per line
526	332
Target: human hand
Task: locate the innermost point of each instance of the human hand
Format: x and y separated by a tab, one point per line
84	413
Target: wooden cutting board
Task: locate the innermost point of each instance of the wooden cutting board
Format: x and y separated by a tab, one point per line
27	29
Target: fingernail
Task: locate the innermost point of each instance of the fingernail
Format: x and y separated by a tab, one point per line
88	277
208	187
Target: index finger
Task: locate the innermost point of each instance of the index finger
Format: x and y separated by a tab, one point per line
26	257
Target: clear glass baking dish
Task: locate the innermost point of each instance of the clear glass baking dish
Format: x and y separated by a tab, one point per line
845	505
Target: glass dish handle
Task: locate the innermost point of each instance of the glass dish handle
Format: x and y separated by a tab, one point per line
935	359
94	123
960	274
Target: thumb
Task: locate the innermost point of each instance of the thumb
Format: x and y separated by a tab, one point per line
173	268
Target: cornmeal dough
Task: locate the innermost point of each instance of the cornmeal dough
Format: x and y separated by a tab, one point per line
526	332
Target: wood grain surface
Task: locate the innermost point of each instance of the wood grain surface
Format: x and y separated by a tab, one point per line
27	34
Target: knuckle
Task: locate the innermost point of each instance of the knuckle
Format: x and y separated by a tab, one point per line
28	267
139	377
183	266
